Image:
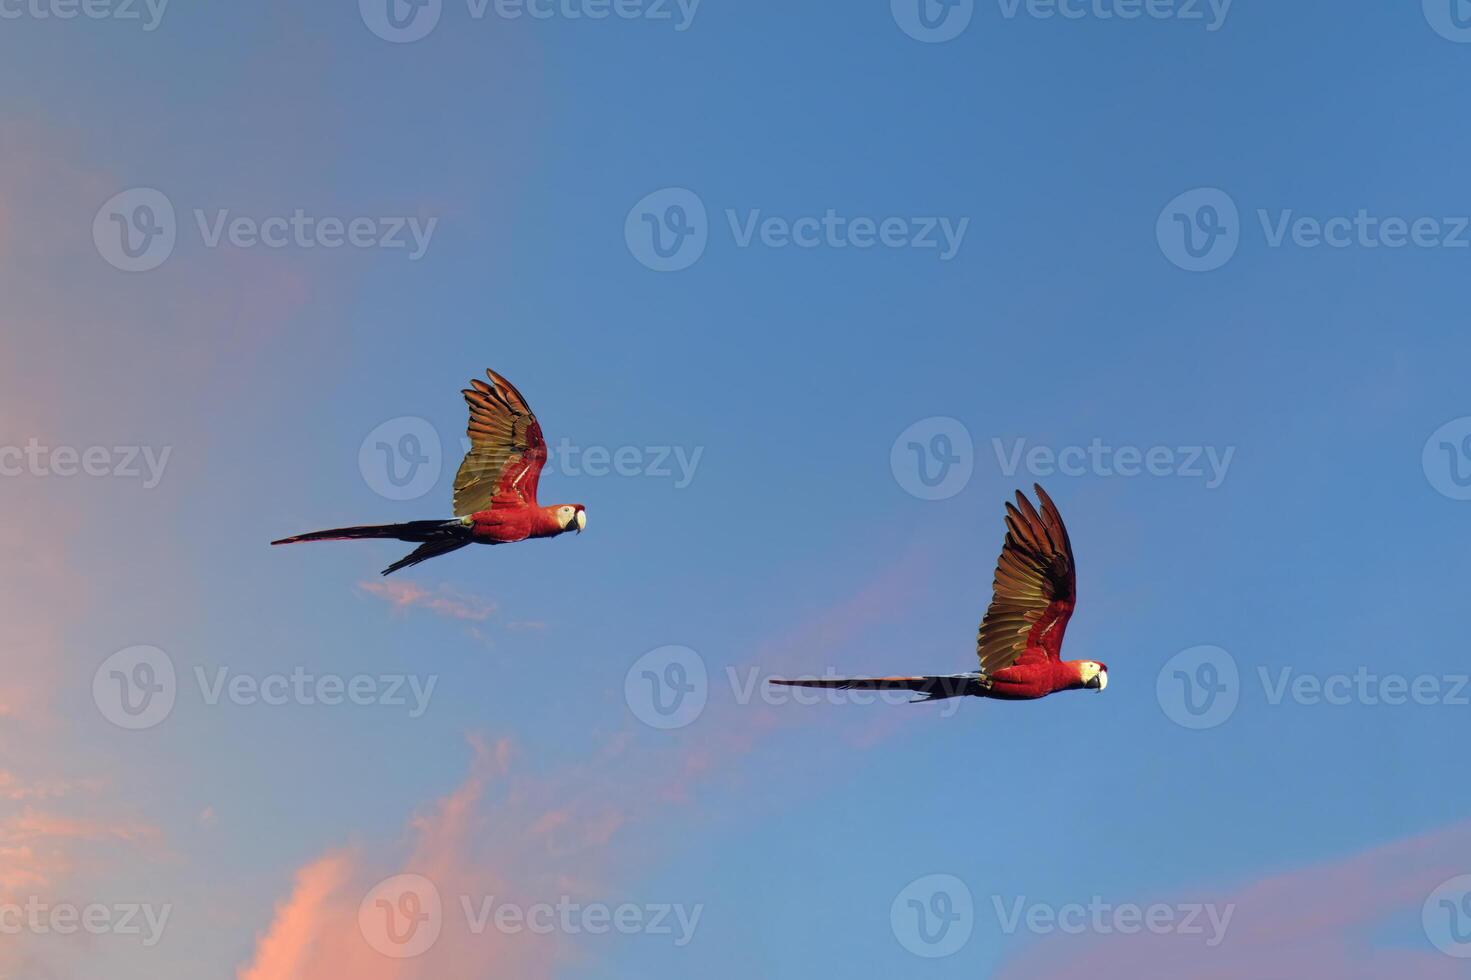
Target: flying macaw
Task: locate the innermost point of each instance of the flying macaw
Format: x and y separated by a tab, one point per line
495	488
1020	639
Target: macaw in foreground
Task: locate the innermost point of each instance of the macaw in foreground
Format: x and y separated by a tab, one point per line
495	489
1020	639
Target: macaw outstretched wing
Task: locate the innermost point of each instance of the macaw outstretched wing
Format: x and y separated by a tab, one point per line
507	450
1035	587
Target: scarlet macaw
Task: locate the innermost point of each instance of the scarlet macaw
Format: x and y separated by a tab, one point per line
1020	639
495	488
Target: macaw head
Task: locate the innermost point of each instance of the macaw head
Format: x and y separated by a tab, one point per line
1093	674
570	517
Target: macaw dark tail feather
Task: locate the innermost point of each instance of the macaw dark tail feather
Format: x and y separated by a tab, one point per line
425	551
929	688
435	537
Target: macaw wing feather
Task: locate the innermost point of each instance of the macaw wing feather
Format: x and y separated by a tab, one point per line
507	450
1033	593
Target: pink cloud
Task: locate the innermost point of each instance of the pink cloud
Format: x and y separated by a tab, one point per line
443	601
466	844
41	849
15	789
589	828
306	924
535	838
1315	921
57	290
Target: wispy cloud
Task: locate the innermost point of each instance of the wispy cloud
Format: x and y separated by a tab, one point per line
442	601
1315	921
471	842
40	849
15	789
526	837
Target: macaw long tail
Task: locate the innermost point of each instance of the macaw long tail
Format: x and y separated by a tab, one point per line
930	688
409	531
436	537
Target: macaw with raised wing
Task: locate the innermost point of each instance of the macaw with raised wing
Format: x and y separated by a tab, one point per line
495	488
1020	639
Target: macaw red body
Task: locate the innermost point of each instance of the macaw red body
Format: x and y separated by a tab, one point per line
1020	639
495	488
1034	675
508	524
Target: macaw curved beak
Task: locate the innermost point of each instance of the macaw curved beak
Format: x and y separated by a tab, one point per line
1099	681
581	520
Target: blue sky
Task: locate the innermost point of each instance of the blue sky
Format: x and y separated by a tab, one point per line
1060	320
